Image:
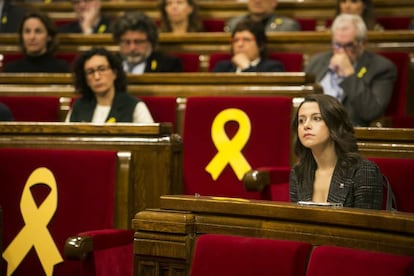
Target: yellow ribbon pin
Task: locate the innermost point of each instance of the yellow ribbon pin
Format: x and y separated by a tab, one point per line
4	20
362	72
35	232
154	64
229	151
111	120
102	29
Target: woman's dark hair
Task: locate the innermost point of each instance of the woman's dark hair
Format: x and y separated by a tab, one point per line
194	22
367	14
256	28
80	82
52	43
136	22
341	132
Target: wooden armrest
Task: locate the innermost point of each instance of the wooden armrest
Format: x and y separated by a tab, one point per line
78	247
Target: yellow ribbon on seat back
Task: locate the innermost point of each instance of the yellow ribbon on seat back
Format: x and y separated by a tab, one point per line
35	232
229	151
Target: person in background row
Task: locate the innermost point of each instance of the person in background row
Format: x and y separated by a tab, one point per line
89	19
363	8
5	113
264	11
179	16
248	49
100	79
330	168
361	80
10	16
37	39
137	36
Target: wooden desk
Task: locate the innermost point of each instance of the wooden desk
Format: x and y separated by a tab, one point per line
165	237
155	156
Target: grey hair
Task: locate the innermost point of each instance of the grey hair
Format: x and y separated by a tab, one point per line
344	21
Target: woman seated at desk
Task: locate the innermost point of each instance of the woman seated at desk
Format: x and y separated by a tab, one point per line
101	80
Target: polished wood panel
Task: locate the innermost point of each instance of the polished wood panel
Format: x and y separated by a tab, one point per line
164	238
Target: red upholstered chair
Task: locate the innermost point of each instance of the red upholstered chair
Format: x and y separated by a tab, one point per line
341	261
252	132
213	24
163	109
190	61
399	173
397	108
48	195
394	22
292	61
33	108
234	255
307	24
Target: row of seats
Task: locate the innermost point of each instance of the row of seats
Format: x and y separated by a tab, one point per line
216	254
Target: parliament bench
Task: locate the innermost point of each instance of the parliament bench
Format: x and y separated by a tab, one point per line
173	228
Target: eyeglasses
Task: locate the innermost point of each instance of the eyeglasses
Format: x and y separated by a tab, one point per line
127	42
77	2
244	39
100	69
350	46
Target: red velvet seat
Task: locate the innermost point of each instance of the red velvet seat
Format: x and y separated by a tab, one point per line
190	61
307	24
341	261
163	109
399	173
257	130
67	192
293	62
213	24
234	255
394	22
397	107
33	108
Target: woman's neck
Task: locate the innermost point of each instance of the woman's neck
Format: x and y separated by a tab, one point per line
179	27
325	157
106	98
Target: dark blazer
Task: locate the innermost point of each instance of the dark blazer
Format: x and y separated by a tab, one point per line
5	113
273	23
361	187
159	62
104	26
122	108
368	92
11	17
37	64
265	65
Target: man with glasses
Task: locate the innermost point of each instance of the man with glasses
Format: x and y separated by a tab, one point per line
89	18
361	80
137	36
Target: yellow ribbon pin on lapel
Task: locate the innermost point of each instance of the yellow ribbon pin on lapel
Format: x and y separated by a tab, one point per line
35	232
362	72
229	151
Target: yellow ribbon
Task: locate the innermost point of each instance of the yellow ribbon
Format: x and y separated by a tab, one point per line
4	20
229	151
101	29
35	232
154	64
362	72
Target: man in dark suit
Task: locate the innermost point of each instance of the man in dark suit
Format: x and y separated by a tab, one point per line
361	80
248	49
11	17
137	36
89	19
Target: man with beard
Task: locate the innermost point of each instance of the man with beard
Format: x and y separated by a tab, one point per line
137	36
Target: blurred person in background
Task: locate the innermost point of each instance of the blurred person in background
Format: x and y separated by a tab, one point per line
179	16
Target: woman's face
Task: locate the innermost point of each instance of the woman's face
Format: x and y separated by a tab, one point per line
351	6
312	130
178	10
35	36
99	75
245	42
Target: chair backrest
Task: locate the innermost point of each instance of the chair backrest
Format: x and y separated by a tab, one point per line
213	24
190	61
223	137
234	255
398	104
394	22
48	195
307	24
163	109
293	62
331	260
399	173
33	108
